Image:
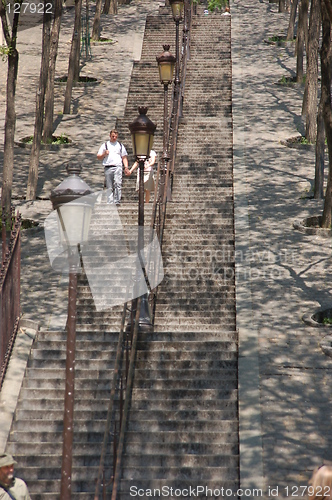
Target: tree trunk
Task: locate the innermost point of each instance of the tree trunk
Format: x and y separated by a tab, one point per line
10	119
40	100
310	105
328	5
301	39
282	6
72	66
320	152
78	49
8	159
327	113
96	21
49	97
291	24
110	7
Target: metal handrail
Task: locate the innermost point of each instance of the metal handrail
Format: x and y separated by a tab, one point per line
9	288
116	377
122	376
130	377
162	192
165	190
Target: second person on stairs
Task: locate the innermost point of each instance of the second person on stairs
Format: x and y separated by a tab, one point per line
148	174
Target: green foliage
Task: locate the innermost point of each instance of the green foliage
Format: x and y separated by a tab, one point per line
9	221
217	4
276	38
62	139
327	321
107	40
303	140
4	51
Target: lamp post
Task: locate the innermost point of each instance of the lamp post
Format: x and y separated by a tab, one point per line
177	11
74	214
166	62
142	132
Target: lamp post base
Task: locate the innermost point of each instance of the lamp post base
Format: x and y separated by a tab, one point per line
144	322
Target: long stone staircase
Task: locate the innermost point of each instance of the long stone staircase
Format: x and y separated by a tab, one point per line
183	429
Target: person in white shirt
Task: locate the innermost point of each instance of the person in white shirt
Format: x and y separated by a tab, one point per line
114	156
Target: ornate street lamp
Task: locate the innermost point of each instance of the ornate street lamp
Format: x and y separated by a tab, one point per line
166	62
74	215
177	7
142	133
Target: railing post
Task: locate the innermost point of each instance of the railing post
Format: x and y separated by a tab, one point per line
68	419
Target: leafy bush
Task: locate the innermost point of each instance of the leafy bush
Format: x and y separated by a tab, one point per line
217	4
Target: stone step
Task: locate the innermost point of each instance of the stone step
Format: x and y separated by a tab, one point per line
54	461
191	321
53	354
188	393
96	425
190	374
193	347
42	450
94	435
174	385
143	380
34	467
55	437
59	374
80	384
227	301
178	473
151	441
56	402
95	344
53	393
178	460
50	374
107	337
40	363
193	311
22	414
182	326
191	448
157	410
155	426
144	360
90	335
37	487
47	426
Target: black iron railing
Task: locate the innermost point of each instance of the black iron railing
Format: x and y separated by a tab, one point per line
9	288
109	472
163	191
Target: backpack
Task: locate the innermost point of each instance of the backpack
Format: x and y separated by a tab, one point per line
121	146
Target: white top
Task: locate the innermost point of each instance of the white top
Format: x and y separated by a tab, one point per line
116	152
149	162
